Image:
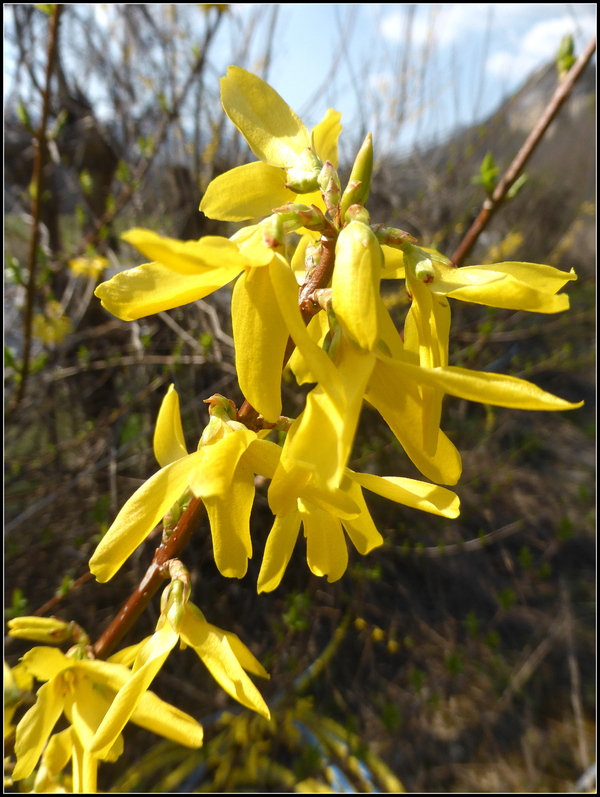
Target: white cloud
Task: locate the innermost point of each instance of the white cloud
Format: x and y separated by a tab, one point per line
536	45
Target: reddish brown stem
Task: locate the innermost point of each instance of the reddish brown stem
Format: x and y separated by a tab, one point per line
148	586
491	204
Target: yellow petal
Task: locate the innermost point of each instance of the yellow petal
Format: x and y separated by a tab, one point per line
85	706
326	550
219	464
320	421
322	368
426	338
317	328
278	551
361	530
140	514
229	518
338	502
393	263
35	727
213	648
85	769
537	275
169	442
260	335
164	719
400	404
246	192
150	659
355	283
153	288
325	137
209	254
410	492
513	286
273	131
249	662
487	388
58	751
45	663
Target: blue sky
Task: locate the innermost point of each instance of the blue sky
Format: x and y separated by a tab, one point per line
410	73
462	61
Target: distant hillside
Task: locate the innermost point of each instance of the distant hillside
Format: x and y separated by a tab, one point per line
431	194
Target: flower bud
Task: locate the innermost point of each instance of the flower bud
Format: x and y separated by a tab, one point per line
359	183
40	629
221	407
355	283
272	231
358	213
294	215
304	176
391	236
330	186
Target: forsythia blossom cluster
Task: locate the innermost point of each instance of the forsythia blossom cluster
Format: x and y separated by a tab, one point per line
323	302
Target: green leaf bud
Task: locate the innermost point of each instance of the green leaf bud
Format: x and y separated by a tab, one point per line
303	177
359	183
331	188
392	236
358	213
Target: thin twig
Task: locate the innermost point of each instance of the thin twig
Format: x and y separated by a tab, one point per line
574	675
49	605
41	152
463	547
491	204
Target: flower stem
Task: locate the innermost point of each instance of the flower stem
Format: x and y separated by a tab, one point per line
148	586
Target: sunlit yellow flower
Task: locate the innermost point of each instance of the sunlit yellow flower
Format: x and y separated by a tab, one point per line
83	691
289	157
430	278
216	473
52	326
183	272
326	514
265	302
223	653
88	266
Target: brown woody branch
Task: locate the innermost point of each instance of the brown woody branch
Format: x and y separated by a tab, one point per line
40	159
148	586
491	204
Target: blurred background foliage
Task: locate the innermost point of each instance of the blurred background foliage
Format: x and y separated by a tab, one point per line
460	656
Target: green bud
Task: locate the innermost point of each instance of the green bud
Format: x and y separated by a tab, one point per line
392	236
221	407
330	186
358	213
294	215
424	270
272	231
304	176
23	115
359	184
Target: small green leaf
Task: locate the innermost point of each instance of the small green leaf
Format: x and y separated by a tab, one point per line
488	172
23	115
516	186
